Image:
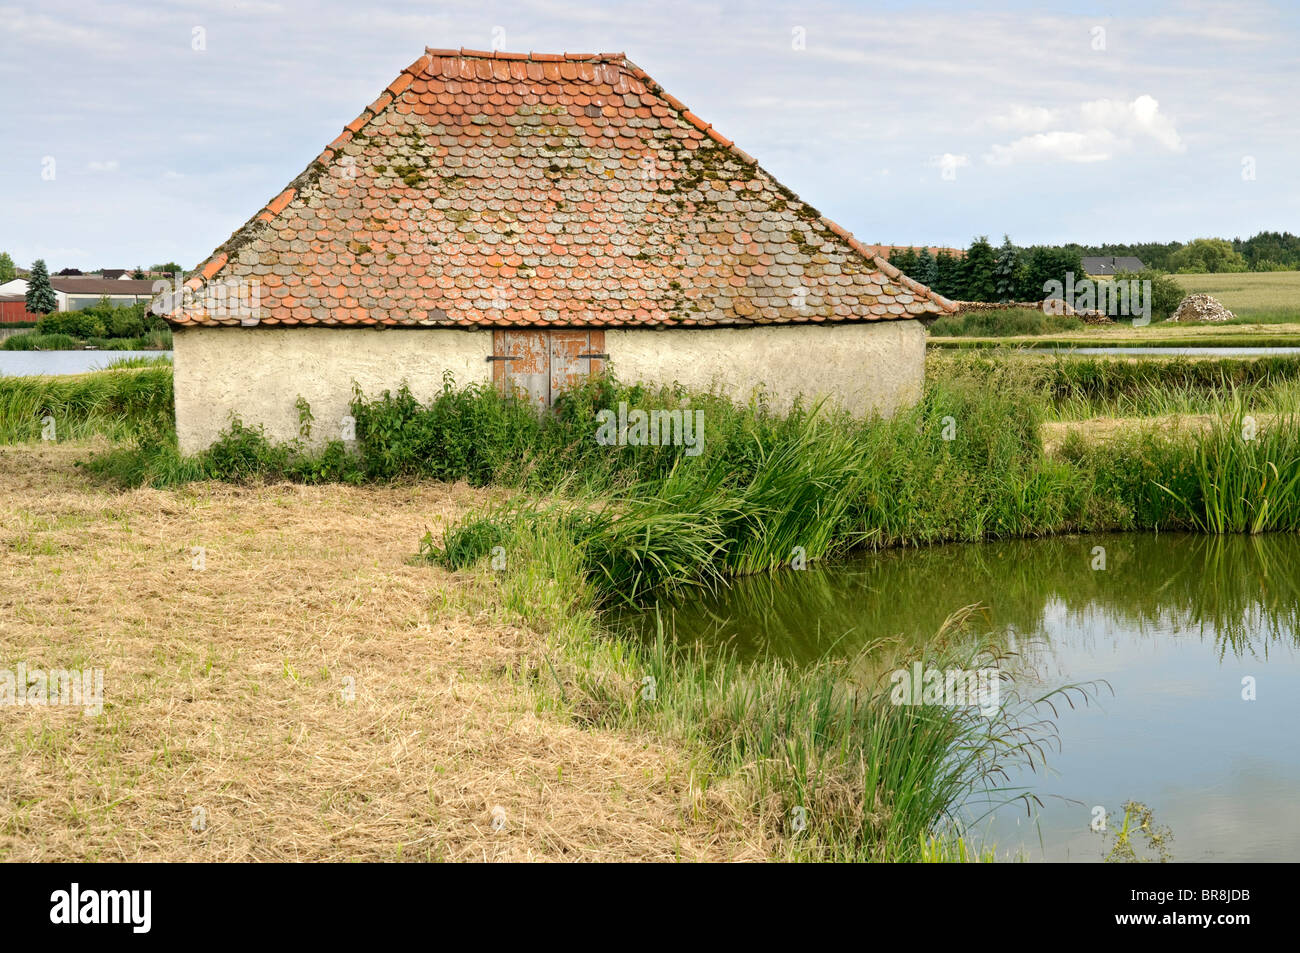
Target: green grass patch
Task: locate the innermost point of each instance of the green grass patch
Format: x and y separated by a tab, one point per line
1001	323
1081	387
35	341
1263	297
121	405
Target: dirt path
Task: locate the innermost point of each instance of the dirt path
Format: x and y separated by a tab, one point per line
227	733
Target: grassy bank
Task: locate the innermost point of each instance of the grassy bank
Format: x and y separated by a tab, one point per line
1168	335
967	463
159	340
1003	323
122	405
1078	388
826	766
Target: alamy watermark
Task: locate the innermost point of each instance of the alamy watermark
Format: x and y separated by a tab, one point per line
74	688
75	905
954	688
653	428
1127	298
229	298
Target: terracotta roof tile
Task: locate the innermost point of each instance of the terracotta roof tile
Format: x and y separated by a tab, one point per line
485	188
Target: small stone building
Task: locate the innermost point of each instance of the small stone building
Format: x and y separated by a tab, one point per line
528	219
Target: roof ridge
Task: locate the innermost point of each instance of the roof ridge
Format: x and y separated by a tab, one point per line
464	53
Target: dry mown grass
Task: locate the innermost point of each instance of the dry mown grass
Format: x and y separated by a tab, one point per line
1106	429
223	689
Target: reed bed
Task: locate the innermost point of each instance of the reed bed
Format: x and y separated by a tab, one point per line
827	765
120	404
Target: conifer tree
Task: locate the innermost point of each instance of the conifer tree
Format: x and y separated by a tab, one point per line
40	296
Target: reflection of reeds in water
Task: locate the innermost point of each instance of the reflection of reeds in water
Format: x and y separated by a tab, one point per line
875	779
1236	590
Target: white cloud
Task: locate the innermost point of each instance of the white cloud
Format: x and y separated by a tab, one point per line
1141	117
1026	119
1094	146
1094	132
111	165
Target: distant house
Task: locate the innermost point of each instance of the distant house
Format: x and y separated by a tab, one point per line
521	220
13	310
1108	266
78	292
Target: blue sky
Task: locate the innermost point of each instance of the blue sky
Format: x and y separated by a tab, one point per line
909	123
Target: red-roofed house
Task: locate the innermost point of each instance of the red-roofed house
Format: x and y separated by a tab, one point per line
528	219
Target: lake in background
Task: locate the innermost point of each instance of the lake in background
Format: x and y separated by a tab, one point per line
1163	635
28	363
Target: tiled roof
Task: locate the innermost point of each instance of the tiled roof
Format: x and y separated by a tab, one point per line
1111	264
934	250
499	189
77	285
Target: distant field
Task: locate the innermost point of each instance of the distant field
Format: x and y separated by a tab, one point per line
1256	297
1266	305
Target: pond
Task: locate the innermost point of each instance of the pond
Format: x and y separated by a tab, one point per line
1164	634
28	363
1156	351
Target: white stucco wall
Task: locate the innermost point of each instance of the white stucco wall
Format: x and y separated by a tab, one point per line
258	374
864	368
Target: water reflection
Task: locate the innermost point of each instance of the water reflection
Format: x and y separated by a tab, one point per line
1240	593
1194	637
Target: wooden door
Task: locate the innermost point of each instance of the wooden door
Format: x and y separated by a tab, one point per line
522	365
540	365
575	355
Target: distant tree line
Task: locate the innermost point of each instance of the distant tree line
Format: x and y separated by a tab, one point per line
1267	251
985	273
1012	273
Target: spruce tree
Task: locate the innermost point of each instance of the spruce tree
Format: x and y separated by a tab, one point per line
40	296
904	259
977	271
948	275
927	269
1006	273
